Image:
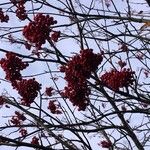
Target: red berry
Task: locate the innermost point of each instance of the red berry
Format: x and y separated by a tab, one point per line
38	31
20	11
54	107
106	144
3	18
23	132
48	91
18	118
12	65
35	140
55	35
77	71
118	79
28	89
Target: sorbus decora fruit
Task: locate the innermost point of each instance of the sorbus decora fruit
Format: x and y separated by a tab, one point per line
23	132
48	91
20	11
53	107
77	71
35	140
118	79
28	89
106	144
18	118
3	18
38	31
55	35
12	65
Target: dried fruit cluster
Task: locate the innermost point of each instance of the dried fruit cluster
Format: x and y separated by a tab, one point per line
53	107
48	91
23	132
38	31
28	89
16	1
35	140
18	118
77	71
12	65
55	35
20	11
118	79
106	144
78	94
3	18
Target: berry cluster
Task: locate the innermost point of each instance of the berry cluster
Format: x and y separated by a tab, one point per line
20	11
54	107
55	35
106	144
38	31
35	140
12	65
48	91
118	79
80	67
3	18
23	132
28	89
18	118
77	71
17	1
78	95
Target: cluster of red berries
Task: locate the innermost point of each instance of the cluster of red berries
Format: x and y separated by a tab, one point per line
3	18
80	67
118	79
38	31
35	140
77	71
78	94
18	118
17	1
106	144
28	89
20	11
12	65
23	132
53	107
55	35
48	91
